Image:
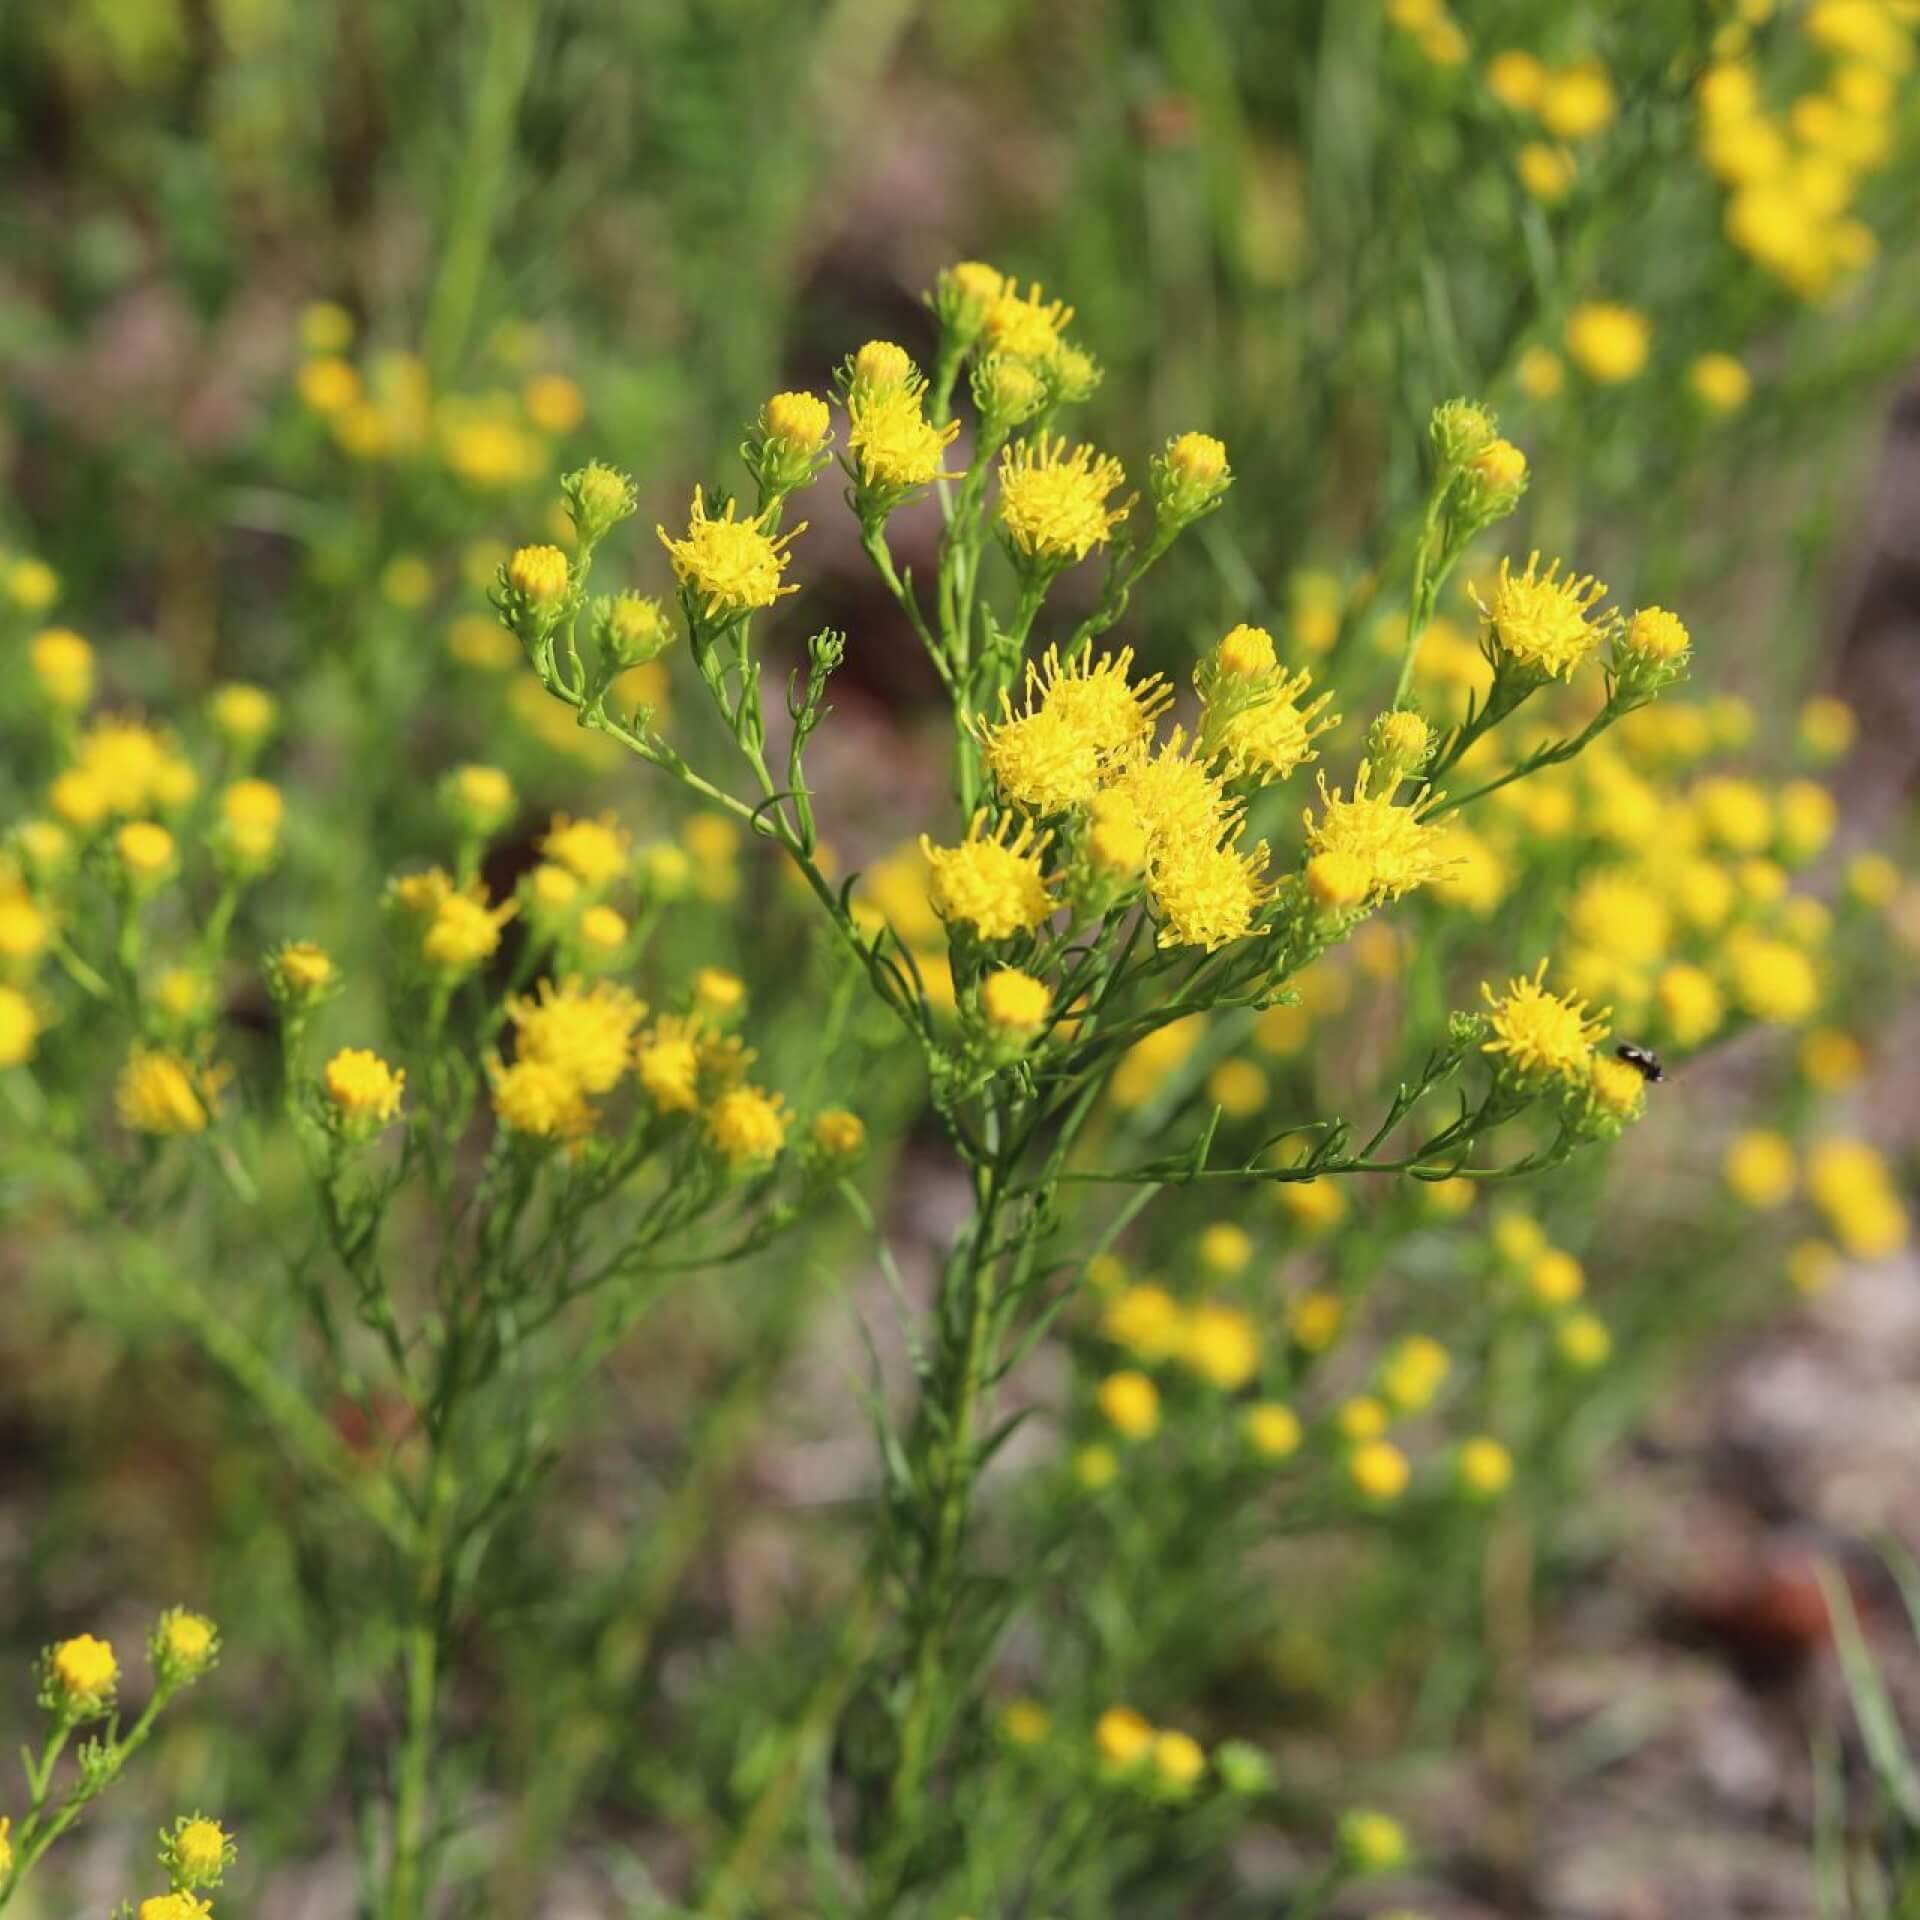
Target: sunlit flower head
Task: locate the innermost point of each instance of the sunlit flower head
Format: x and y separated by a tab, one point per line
1206	892
161	1092
746	1127
1026	325
1397	846
992	881
362	1088
1053	503
730	566
894	444
1542	1035
1544	621
585	1032
1608	342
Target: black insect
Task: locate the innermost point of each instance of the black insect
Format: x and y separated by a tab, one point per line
1643	1060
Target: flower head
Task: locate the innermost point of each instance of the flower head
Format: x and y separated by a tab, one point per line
197	1852
362	1089
162	1093
585	1032
1269	734
746	1127
1543	1036
1026	325
1542	621
1015	1003
1396	845
182	1645
1607	341
992	882
1206	892
175	1906
536	1099
540	573
896	447
62	665
82	1675
729	565
1173	791
1053	502
594	851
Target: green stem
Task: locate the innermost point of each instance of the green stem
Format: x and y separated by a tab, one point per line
512	25
407	1885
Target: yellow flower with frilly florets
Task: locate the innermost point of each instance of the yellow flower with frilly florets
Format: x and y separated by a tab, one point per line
1053	502
1174	793
746	1127
1207	894
536	1099
594	851
585	1032
1399	848
161	1092
894	443
1274	734
729	565
1543	1036
1028	326
362	1088
992	882
1542	621
1078	719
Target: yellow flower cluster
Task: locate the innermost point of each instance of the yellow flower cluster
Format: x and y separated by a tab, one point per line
730	566
1217	1342
1793	171
1053	501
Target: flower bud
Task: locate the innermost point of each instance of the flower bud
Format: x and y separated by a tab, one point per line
597	500
480	799
1399	743
961	296
629	630
788	446
1460	431
1190	478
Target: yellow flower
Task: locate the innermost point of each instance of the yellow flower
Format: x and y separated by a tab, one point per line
1577	102
1546	171
1848	1182
1621	917
251	812
1379	1471
364	1090
1807	816
1123	1736
85	1671
1131	1403
305	968
1414	1372
538	1100
1272	1429
1608	342
1583	1342
1207	895
896	446
1027	326
1314	1319
1398	848
553	403
1238	1088
1015	1003
1555	1279
464	930
1273	734
1542	621
991	882
1178	1759
1542	1035
1540	372
1224	1248
19	1027
1362	1418
1657	635
1473	876
1827	727
1053	502
1772	979
746	1127
1719	382
1759	1170
1146	1320
1198	457
541	573
1690	1003
730	565
161	1093
327	385
175	1906
146	850
199	1851
1485	1467
1516	79
584	1032
1619	1089
184	1639
62	663
594	851
1221	1345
